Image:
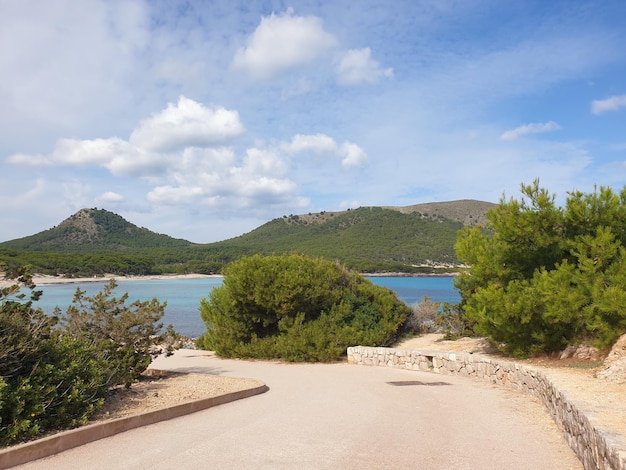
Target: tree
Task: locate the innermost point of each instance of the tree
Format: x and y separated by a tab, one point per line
128	336
543	276
298	309
423	315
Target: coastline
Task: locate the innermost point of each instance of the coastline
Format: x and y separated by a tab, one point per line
41	279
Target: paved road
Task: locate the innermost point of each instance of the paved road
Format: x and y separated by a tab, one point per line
337	416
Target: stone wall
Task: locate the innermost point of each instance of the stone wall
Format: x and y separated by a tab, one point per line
596	449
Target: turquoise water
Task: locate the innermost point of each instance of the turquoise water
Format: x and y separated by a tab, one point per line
183	295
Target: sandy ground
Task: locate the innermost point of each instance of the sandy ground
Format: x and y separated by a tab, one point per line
41	279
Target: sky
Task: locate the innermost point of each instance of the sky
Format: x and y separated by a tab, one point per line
205	119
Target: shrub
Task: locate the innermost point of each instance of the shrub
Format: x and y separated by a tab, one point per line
298	309
126	336
452	322
55	378
47	381
423	314
542	277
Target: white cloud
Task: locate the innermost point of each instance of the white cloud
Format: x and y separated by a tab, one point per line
110	197
177	154
282	42
357	66
534	128
610	104
174	196
155	147
352	155
186	124
314	142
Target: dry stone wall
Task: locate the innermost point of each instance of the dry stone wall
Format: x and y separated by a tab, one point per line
596	449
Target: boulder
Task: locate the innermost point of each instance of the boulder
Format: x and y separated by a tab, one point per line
580	351
614	366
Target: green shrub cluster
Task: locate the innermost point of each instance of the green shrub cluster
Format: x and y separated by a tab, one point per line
55	372
298	309
543	276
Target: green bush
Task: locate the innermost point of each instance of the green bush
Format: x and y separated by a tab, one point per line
542	276
54	378
298	309
47	380
126	336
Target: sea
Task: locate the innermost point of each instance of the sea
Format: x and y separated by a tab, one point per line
183	295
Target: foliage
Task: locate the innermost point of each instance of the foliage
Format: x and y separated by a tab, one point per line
369	239
53	377
127	336
47	380
297	308
543	276
423	314
452	322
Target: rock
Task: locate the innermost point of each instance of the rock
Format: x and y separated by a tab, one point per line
614	369
618	351
580	351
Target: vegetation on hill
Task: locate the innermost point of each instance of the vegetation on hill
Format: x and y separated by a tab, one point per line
544	276
365	239
368	239
94	231
297	308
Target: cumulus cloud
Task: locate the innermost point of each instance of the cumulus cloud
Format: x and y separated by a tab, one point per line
186	124
314	142
282	42
110	197
535	128
610	104
180	154
260	177
357	66
153	147
352	155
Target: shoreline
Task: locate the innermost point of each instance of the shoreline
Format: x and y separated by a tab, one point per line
41	279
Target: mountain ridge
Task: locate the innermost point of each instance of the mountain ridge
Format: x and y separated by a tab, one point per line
367	239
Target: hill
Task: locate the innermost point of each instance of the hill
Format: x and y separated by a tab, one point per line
93	230
368	239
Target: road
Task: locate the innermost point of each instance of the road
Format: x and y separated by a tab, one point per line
337	416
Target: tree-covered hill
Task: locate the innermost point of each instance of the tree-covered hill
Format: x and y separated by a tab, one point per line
368	239
93	231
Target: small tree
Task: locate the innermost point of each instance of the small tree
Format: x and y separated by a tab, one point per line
422	319
127	336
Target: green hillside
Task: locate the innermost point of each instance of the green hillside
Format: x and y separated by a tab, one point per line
93	231
362	238
369	239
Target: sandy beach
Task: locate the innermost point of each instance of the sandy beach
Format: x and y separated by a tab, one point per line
40	279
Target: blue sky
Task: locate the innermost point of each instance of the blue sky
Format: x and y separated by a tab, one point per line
206	119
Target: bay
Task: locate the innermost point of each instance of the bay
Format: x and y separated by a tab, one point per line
183	295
